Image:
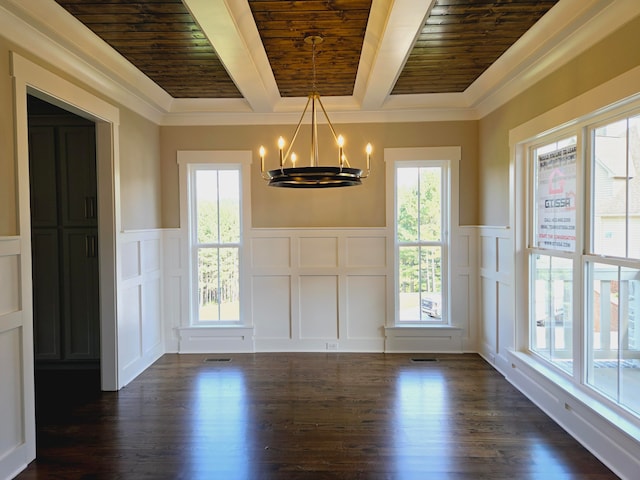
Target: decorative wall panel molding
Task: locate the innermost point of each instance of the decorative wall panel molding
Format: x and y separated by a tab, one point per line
496	293
140	294
17	434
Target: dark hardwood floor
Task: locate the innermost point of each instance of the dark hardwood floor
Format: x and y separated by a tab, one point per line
308	416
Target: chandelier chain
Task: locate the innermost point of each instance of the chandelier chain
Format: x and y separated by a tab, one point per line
313	63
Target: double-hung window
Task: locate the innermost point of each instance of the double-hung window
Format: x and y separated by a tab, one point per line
215	242
421	216
553	253
584	253
613	260
214	195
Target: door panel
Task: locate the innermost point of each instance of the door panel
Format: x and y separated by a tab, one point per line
42	177
46	293
81	297
77	163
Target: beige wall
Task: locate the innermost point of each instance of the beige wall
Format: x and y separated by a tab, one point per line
140	174
362	206
139	156
8	217
613	56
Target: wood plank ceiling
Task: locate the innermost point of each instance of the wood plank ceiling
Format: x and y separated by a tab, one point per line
459	40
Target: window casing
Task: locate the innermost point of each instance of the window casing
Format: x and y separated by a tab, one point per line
214	198
421	227
214	221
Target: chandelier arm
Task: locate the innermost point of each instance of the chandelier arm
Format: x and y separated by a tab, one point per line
333	131
295	133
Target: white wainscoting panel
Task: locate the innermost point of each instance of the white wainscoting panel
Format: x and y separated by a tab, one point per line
140	322
271	297
464	286
318	252
17	422
366	252
176	283
319	289
10	281
318	307
366	299
496	293
271	252
316	289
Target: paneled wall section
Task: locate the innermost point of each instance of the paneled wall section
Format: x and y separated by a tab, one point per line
319	290
496	289
16	366
140	333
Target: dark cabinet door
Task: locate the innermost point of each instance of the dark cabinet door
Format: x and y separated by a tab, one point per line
46	292
63	185
77	163
81	297
42	175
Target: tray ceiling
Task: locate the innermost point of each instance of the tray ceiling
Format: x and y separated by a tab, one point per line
187	51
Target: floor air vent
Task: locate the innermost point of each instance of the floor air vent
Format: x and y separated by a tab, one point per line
424	359
217	360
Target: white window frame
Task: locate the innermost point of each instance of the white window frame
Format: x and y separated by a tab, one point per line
524	140
188	163
532	248
448	159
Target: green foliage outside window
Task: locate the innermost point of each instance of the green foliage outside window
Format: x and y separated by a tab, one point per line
419	220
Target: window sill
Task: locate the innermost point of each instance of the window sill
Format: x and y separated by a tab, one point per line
425	326
215	338
582	394
423	338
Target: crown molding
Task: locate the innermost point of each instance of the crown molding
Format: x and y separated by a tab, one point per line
569	29
45	30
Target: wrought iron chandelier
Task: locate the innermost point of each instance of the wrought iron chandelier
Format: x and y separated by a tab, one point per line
315	175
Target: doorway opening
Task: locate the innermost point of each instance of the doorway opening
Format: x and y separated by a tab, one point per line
65	269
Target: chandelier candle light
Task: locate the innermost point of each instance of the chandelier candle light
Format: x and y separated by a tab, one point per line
315	175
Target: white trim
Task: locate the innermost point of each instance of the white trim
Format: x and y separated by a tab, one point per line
448	158
582	411
31	78
187	160
46	30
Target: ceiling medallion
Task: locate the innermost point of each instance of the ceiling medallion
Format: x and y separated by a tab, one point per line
315	175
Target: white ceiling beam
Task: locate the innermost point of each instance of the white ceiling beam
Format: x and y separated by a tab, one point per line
229	26
404	21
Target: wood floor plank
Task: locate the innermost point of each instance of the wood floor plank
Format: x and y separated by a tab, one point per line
306	416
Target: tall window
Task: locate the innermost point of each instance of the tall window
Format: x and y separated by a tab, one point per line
215	220
553	250
613	262
215	246
420	226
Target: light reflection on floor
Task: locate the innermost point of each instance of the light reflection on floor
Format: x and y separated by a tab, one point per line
219	443
421	411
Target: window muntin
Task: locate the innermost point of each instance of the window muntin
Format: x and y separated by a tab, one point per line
421	259
216	241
